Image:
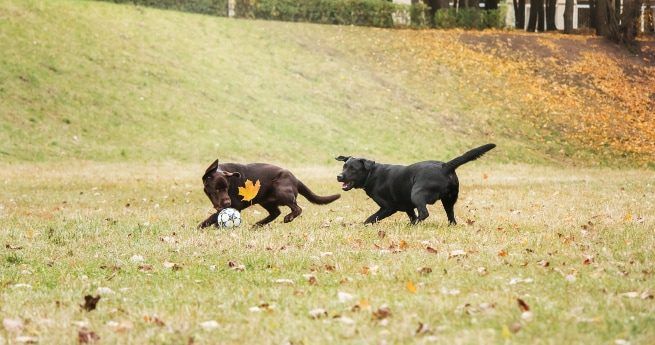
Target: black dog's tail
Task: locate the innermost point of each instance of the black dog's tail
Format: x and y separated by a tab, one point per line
313	198
467	157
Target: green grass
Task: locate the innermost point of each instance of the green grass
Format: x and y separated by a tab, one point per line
109	114
105	82
76	234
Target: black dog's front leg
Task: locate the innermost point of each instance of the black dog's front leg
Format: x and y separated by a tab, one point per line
213	219
379	215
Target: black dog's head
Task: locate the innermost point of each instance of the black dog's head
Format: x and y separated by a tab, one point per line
216	185
355	171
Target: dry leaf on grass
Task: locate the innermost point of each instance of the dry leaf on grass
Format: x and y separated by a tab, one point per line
410	287
381	313
502	253
431	250
522	305
344	297
424	270
12	325
85	336
318	313
209	325
456	253
90	302
154	319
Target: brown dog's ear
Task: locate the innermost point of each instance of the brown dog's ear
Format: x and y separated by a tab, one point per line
212	167
343	158
368	164
230	174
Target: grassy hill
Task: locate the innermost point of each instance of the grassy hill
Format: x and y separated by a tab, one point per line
98	81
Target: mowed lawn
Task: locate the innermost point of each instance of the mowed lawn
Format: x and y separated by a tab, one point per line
576	245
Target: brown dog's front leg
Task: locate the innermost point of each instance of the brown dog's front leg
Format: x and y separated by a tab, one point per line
213	219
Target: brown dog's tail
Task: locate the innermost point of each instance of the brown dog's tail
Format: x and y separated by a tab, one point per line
313	198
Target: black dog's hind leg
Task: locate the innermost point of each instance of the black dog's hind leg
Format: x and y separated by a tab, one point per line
412	217
213	219
273	212
448	206
379	215
419	200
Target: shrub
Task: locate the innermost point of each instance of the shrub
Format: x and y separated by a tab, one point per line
419	14
469	18
211	7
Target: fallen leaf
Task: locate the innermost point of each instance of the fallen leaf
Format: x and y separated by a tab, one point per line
457	252
90	302
137	259
145	267
431	250
284	281
515	327
13	247
424	270
318	313
502	253
422	329
505	332
588	260
403	245
381	313
344	297
85	336
249	190
236	266
209	325
104	291
410	287
154	319
631	294
346	320
646	295
382	234
12	325
522	305
543	263
171	265
526	316
482	271
26	339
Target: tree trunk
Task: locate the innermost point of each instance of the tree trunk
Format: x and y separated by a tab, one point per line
592	14
602	25
490	4
568	17
550	14
519	13
630	21
536	20
649	18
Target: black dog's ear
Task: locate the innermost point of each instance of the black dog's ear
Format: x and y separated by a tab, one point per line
368	164
343	158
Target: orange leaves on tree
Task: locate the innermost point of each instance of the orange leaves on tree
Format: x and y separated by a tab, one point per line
249	190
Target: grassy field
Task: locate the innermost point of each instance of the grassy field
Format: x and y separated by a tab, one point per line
574	244
110	113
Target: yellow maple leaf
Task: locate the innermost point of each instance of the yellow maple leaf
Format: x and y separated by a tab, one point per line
249	190
411	287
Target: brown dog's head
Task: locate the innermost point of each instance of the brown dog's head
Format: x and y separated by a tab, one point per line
216	185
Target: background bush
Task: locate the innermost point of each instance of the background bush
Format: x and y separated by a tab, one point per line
211	7
469	18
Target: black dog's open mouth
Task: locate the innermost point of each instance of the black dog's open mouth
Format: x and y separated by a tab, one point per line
347	185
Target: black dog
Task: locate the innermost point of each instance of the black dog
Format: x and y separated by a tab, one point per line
405	188
278	187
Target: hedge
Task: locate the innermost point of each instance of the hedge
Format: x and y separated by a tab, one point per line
211	7
379	13
344	12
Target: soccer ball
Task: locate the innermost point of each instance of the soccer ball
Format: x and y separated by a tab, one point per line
228	218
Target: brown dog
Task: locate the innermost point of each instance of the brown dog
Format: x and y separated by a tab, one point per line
278	188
